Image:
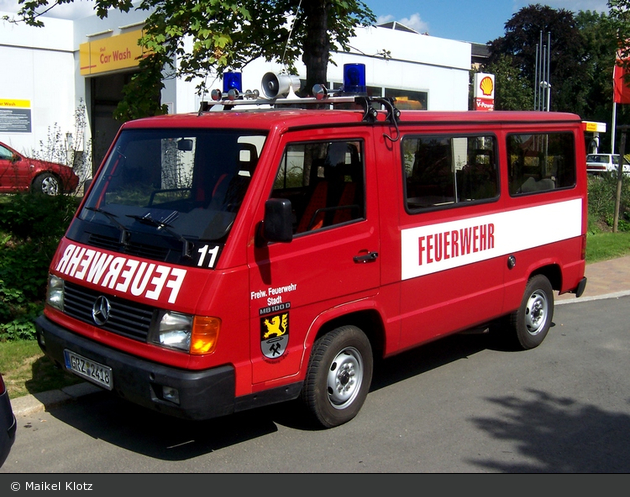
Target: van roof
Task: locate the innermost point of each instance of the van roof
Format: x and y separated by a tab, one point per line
293	117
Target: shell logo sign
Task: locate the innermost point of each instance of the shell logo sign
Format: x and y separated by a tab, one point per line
484	91
487	86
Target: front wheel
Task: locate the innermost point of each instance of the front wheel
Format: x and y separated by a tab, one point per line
531	322
339	376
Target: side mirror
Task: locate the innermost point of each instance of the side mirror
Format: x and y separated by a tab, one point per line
185	145
86	184
277	225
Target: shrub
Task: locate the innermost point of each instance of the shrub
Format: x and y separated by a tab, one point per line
602	194
30	229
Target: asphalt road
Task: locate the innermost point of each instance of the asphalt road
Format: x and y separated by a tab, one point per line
453	406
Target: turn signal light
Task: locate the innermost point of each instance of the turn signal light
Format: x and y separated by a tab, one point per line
205	334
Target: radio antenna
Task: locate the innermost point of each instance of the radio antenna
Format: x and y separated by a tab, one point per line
202	106
297	13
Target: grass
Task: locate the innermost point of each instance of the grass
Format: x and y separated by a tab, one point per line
607	245
27	371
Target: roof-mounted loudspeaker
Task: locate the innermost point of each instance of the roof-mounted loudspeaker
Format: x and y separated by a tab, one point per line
279	85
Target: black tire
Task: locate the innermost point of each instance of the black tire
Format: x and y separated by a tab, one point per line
46	183
530	324
339	376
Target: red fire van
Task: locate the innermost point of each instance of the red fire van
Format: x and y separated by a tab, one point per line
234	258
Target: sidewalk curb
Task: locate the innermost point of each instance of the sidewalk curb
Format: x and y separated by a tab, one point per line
615	295
33	403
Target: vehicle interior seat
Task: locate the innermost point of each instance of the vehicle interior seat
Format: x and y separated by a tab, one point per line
325	199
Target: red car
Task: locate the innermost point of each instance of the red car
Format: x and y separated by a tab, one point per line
19	174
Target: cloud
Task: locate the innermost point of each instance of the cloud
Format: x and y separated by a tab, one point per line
414	22
75	10
385	19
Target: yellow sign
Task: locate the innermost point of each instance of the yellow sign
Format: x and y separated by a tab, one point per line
110	54
594	127
6	102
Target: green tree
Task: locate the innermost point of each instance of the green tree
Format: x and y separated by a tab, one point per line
620	16
521	41
600	47
512	91
196	38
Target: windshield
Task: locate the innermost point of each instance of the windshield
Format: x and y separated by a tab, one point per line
605	159
183	185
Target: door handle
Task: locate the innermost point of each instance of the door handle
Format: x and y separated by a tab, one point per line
369	257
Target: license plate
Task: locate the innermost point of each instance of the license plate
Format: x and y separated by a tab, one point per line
88	369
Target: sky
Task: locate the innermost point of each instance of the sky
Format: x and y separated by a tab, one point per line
478	21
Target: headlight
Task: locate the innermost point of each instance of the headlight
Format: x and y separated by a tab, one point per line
55	292
194	334
173	330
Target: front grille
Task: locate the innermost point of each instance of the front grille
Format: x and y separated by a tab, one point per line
126	318
132	248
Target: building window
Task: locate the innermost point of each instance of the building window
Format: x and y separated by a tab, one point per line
408	99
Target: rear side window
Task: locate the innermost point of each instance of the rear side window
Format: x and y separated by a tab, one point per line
540	162
444	170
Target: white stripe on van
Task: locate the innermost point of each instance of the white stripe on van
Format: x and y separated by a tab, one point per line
437	247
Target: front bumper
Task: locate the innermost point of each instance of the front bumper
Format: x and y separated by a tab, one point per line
203	394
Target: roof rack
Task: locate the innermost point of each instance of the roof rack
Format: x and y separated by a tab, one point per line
279	93
277	87
366	103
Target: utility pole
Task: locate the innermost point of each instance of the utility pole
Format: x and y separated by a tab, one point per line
542	78
622	150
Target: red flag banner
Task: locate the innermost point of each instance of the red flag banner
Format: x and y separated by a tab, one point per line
621	93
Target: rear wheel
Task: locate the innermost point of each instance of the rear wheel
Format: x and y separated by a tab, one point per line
46	183
339	376
530	324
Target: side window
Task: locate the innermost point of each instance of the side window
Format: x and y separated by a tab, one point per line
442	170
5	154
540	162
324	182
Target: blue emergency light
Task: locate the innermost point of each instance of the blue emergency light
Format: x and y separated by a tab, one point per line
232	81
354	79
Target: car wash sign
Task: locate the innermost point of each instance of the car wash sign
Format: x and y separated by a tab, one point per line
15	116
484	91
110	53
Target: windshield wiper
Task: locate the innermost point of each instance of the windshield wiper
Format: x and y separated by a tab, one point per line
124	232
163	225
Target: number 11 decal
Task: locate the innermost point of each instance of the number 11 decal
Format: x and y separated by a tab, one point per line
206	251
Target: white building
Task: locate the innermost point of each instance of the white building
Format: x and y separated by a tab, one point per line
70	65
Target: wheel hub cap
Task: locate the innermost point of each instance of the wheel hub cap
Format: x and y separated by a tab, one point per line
344	378
536	313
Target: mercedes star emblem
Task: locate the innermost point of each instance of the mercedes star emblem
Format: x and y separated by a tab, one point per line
100	310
